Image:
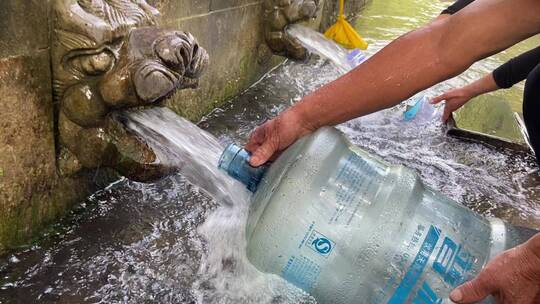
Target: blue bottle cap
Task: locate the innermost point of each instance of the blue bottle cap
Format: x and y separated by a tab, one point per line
235	161
412	110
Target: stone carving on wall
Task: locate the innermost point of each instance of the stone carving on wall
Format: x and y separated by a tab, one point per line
107	56
278	14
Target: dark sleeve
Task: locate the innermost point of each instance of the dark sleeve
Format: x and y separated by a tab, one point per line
516	69
456	7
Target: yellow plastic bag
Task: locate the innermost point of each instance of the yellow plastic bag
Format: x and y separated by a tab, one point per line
344	34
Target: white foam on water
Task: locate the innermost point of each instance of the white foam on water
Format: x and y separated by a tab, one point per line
225	274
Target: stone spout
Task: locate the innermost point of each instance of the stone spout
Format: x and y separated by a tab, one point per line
278	14
108	56
153	65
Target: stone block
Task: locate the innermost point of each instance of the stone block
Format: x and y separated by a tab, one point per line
238	57
31	195
27	156
24	26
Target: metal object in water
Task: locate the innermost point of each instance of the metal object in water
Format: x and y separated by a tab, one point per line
489	140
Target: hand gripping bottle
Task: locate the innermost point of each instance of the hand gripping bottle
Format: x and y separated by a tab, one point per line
347	227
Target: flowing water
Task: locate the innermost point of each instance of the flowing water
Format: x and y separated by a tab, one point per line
181	240
223	266
316	43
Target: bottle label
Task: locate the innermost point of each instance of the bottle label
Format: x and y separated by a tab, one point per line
417	268
321	244
354	184
440	265
302	272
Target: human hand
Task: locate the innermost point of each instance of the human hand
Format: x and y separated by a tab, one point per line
511	277
276	135
455	99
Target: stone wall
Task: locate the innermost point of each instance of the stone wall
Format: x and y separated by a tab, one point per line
32	194
232	33
331	9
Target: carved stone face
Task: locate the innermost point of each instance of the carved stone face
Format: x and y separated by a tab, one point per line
281	13
109	55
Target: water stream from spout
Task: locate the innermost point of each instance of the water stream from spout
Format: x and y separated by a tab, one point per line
180	144
317	43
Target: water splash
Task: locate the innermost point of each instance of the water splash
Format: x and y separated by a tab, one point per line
317	43
224	271
180	144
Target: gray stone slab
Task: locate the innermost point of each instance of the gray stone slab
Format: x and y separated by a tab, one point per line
27	155
235	43
24	26
31	194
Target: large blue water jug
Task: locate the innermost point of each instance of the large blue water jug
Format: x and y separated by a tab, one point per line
347	227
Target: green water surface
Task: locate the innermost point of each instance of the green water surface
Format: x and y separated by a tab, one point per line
382	21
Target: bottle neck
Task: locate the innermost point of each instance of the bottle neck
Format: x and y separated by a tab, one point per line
235	161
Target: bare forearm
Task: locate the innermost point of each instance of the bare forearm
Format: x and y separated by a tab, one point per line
392	75
421	59
483	85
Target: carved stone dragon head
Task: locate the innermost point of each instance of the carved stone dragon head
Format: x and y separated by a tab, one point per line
109	55
278	15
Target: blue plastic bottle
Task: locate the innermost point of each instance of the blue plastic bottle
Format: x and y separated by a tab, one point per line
347	227
419	110
356	57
